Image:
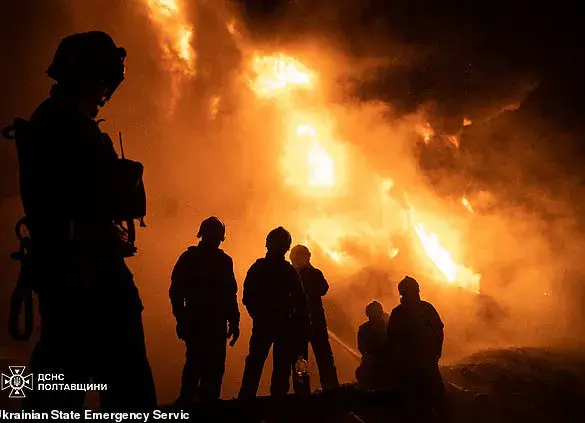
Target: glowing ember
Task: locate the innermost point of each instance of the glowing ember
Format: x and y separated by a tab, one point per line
277	74
467	122
511	107
467	204
175	34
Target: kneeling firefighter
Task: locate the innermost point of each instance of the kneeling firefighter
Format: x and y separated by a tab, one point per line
80	202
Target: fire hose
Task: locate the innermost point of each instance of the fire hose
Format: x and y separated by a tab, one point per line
355	354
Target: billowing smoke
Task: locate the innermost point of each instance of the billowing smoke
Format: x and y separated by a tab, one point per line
388	153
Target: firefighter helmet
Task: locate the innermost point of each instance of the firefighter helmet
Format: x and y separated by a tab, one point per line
89	58
279	239
212	229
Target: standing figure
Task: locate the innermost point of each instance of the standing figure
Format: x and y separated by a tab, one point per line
415	333
316	286
76	194
374	370
277	304
203	295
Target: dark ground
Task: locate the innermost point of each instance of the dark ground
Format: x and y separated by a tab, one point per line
524	384
512	385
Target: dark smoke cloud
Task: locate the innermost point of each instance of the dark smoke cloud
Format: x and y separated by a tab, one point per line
462	55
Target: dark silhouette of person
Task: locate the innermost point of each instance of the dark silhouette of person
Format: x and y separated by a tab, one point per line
73	190
374	370
203	295
415	334
277	304
316	286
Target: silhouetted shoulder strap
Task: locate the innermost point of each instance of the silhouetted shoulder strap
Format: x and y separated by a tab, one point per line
22	294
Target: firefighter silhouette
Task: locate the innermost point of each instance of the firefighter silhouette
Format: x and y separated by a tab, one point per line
277	304
203	295
76	193
415	334
316	286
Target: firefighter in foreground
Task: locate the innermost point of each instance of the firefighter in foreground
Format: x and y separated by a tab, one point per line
277	304
316	286
415	334
203	295
76	193
374	370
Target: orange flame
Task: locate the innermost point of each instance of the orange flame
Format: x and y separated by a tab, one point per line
308	161
467	204
426	131
393	252
454	273
454	140
321	170
231	27
311	154
326	235
214	104
175	36
279	74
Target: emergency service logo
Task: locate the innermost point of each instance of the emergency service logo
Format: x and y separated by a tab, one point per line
17	382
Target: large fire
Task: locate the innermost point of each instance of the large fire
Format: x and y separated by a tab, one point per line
453	272
278	74
175	35
315	159
277	77
320	163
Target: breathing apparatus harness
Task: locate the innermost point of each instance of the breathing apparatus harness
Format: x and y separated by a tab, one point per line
130	205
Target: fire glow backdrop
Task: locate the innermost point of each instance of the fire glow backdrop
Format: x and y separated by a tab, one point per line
265	131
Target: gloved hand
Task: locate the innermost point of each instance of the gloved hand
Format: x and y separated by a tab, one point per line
233	332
